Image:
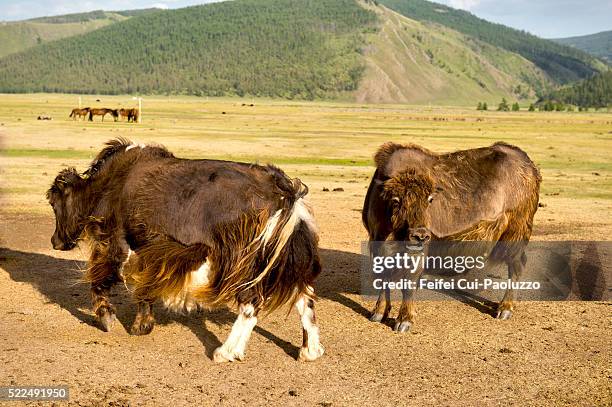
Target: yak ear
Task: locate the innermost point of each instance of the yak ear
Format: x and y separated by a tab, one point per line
68	177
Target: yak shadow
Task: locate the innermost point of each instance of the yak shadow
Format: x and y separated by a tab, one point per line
60	281
341	276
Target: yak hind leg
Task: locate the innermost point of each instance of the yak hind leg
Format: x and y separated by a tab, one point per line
311	346
234	348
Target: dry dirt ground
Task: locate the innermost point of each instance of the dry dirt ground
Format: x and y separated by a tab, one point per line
549	353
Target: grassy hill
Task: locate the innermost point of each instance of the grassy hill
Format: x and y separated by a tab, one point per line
305	49
561	63
599	45
286	48
21	35
413	62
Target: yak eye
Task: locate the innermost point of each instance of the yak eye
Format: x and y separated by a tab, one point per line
430	198
395	200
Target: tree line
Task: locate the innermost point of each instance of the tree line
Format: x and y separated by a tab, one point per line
277	48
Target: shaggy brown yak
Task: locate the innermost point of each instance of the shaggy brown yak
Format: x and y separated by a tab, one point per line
487	194
203	233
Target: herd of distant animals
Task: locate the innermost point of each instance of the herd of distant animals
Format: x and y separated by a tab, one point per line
82	113
205	233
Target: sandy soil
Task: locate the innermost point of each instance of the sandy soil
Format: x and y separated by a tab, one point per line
549	354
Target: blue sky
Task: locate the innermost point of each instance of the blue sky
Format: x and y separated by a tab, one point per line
546	18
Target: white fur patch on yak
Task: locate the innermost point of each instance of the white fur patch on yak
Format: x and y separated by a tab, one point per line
131	146
185	300
301	211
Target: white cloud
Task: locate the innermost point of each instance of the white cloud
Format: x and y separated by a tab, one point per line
464	4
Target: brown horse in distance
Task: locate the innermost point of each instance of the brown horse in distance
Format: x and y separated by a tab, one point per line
78	112
103	112
130	114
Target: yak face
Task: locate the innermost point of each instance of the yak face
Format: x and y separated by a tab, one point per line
408	196
61	196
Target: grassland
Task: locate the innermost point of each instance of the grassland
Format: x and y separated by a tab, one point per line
455	354
326	144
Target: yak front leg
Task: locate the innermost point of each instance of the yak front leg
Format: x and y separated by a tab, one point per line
234	347
407	312
515	269
144	322
311	347
383	304
103	273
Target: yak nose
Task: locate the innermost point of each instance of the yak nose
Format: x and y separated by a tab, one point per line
57	243
420	235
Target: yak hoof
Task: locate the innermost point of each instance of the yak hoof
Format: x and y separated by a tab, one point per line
504	314
143	326
222	355
377	317
402	326
107	319
310	354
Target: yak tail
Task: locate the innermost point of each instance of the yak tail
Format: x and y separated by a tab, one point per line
248	260
274	237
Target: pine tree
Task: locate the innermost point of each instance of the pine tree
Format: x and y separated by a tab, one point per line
503	106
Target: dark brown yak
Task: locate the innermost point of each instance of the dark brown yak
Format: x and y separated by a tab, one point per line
199	232
103	112
487	194
81	113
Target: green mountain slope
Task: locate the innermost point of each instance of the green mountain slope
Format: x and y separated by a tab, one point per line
599	45
286	48
414	62
21	35
561	63
350	49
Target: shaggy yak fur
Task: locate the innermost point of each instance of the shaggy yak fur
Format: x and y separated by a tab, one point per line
488	195
196	233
